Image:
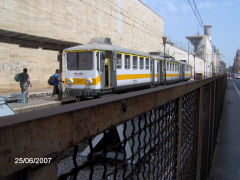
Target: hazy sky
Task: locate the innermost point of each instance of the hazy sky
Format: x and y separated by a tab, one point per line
222	15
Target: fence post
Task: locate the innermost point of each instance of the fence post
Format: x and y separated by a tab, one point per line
179	137
199	156
210	123
214	116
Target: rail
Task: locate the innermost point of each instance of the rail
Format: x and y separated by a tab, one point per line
166	132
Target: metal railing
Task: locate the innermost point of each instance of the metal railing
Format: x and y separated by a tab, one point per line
160	133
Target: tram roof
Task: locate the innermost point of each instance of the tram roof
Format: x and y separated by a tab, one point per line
107	47
158	57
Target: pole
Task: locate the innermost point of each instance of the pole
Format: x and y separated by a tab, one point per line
60	59
165	78
194	55
188	52
164	39
194	67
204	69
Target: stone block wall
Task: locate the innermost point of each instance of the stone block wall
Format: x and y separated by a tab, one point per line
40	64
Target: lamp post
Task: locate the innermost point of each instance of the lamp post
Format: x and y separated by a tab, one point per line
164	38
204	68
194	55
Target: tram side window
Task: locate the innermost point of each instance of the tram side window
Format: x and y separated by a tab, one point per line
119	61
141	62
167	66
147	63
135	64
127	62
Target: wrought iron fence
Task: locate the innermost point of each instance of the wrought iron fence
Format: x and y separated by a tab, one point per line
172	138
147	147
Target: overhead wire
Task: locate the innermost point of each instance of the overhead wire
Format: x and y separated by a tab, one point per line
198	12
195	13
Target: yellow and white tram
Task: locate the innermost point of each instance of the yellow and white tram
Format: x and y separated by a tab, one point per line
99	66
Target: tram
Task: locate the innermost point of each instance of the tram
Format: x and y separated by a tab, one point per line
99	66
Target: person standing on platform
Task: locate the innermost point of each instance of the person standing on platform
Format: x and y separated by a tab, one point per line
56	82
24	84
60	86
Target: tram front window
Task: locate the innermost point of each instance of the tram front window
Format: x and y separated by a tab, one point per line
80	61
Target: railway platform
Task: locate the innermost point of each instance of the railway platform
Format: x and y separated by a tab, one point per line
226	160
38	99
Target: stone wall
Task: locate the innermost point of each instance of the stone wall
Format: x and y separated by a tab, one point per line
40	63
129	24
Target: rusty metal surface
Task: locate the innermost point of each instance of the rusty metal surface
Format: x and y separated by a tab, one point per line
48	132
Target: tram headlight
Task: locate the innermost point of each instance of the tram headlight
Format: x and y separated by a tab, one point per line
70	81
89	81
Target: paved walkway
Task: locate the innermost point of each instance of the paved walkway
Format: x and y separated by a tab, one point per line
31	93
226	160
38	99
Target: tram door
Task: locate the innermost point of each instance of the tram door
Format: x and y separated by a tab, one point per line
108	77
181	71
158	71
106	73
162	70
152	70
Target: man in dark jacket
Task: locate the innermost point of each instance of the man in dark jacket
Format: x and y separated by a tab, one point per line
24	84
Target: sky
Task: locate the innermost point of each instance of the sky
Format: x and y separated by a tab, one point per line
222	15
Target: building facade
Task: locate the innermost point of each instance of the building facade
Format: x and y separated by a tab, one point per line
236	64
182	54
223	68
204	48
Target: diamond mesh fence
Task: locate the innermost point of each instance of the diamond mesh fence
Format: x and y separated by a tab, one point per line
172	141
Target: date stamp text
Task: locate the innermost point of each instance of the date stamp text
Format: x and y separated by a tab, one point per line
32	160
